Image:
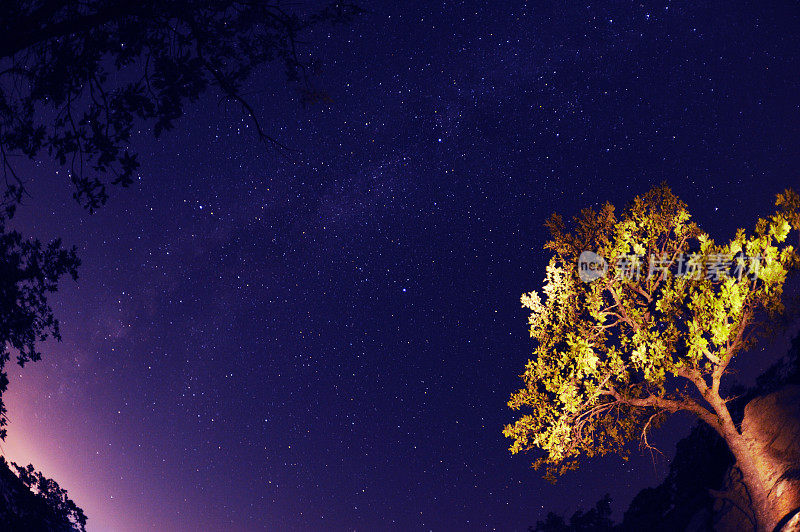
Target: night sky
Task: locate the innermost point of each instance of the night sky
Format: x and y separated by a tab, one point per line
326	338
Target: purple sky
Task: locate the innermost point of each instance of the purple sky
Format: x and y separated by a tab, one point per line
326	340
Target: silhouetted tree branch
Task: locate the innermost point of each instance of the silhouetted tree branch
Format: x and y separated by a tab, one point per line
76	76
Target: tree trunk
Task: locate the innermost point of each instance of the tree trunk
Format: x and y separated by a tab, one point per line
758	473
757	477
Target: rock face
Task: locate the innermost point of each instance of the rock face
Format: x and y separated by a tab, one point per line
771	423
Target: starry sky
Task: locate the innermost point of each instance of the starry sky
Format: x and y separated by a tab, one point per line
326	338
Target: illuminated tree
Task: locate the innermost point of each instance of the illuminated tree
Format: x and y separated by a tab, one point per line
651	335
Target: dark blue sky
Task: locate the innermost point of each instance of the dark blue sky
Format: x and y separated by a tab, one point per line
326	339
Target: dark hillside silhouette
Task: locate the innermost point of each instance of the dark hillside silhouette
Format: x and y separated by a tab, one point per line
31	502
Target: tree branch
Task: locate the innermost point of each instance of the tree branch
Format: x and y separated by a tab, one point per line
672	405
36	29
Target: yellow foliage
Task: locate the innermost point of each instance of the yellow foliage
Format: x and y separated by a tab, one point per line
612	356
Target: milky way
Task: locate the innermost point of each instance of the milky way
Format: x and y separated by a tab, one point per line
327	338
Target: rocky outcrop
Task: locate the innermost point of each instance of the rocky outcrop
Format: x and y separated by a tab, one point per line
771	425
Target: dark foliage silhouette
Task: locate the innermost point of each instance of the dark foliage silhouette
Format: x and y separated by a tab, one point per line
29	272
76	79
33	502
77	76
598	519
